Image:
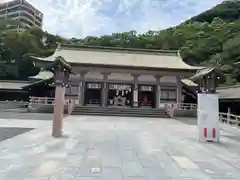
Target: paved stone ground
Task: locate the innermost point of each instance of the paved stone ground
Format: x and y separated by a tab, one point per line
189	121
116	148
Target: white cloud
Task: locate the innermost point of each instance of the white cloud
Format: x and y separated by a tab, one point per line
81	18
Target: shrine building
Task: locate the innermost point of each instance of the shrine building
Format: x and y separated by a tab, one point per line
119	77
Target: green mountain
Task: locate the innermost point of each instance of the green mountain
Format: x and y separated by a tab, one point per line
212	37
228	11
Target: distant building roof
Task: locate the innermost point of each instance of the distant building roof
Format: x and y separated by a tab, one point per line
13	85
229	92
127	57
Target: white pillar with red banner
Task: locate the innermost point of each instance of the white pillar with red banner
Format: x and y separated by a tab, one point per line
208	117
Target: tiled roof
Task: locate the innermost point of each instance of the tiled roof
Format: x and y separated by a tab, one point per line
120	57
15	85
230	92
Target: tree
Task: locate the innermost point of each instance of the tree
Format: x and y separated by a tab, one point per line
15	47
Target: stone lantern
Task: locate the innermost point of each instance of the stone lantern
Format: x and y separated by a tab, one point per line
61	70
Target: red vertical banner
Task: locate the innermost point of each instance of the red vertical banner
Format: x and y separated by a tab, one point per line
205	132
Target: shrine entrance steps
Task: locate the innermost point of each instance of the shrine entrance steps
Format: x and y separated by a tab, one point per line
115	111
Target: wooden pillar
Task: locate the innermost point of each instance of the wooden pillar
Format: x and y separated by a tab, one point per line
104	95
81	91
158	96
104	92
214	83
179	90
158	92
205	84
135	91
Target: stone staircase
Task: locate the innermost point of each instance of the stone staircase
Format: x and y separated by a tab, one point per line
115	111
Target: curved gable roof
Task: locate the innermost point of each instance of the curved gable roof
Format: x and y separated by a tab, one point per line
120	57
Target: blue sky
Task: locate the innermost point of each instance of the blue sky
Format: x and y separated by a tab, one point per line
81	18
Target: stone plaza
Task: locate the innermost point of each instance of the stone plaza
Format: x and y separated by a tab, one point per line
116	148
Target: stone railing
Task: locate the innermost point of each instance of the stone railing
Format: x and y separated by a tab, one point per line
45	100
13	104
230	123
41	100
94	101
70	103
181	109
228	118
181	106
71	106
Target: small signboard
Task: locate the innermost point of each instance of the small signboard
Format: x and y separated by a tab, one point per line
93	85
146	88
120	87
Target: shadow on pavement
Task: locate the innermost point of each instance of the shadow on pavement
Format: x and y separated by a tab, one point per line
9	132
